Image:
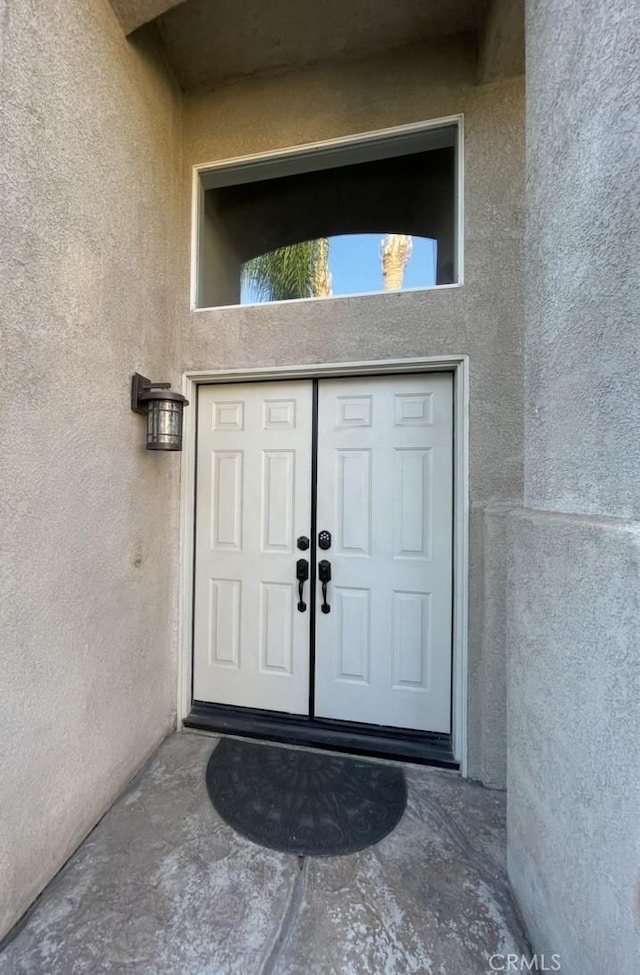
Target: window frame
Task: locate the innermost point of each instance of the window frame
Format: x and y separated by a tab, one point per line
362	147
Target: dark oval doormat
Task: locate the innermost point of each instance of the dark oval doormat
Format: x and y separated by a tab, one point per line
308	803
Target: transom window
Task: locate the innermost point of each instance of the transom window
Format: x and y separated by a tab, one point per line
358	217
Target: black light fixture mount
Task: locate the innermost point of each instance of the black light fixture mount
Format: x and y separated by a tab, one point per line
163	408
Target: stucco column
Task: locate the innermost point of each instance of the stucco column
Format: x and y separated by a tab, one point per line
574	573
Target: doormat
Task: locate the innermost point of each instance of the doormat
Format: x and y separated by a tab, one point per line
308	803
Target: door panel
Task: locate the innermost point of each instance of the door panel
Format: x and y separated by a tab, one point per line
251	644
383	653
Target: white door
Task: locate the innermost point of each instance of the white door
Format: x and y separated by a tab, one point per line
383	652
384	493
251	642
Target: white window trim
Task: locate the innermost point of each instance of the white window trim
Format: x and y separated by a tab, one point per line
459	365
320	149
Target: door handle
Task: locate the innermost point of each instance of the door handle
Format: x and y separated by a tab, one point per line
302	574
324	575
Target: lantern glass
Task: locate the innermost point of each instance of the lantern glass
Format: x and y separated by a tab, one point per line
164	424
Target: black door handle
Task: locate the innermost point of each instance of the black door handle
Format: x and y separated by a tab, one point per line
324	575
302	574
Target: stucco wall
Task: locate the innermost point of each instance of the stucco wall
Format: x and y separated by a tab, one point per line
88	175
574	621
95	238
574	738
582	260
483	318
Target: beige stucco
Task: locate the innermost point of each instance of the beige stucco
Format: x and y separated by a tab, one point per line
134	13
96	198
574	566
211	42
95	177
501	46
89	180
208	43
482	318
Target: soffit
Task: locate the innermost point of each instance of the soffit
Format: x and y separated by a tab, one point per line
134	13
210	42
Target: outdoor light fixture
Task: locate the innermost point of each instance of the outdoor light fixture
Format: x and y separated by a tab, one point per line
164	412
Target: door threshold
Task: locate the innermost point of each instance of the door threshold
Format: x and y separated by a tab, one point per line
378	741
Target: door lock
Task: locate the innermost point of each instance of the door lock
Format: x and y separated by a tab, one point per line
324	575
324	540
302	574
303	543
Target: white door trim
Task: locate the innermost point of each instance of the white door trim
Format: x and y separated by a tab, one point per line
459	365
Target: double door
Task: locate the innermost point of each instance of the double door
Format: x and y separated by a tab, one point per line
323	571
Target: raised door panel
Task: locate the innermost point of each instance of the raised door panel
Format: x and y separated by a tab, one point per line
278	500
353	501
353	644
411	647
277	622
412	496
223	637
227	489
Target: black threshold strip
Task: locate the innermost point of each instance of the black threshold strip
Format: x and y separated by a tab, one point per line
423	747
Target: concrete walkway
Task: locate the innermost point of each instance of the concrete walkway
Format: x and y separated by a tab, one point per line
163	887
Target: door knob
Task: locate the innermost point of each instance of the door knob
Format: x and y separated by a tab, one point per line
302	574
324	575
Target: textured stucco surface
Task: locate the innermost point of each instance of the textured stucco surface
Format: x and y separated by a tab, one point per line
134	13
573	603
489	672
164	887
574	738
209	43
95	285
88	172
501	53
482	318
329	100
583	353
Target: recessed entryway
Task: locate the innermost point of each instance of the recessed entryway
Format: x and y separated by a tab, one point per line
324	549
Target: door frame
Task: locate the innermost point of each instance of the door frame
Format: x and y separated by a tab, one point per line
459	366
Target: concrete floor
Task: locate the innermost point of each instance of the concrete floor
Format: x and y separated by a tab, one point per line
163	887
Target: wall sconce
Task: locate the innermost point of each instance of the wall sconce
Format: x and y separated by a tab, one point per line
163	408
